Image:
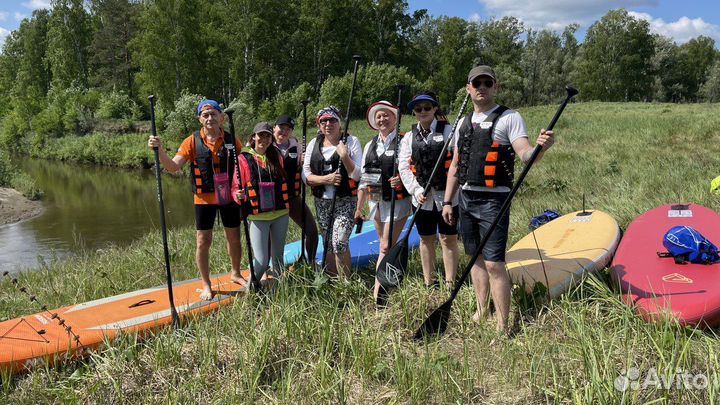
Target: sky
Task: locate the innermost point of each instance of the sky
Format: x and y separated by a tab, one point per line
680	20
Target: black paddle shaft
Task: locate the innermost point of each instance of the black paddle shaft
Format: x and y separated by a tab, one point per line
390	274
393	193
163	225
343	138
440	160
437	321
302	186
254	283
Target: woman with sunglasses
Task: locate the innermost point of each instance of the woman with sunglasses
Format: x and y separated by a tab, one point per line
333	172
379	178
265	193
418	153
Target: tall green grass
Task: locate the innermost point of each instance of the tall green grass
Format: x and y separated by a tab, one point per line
313	341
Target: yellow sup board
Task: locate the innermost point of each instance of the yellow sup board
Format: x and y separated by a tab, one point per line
562	251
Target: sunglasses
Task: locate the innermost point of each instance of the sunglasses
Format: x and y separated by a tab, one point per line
327	121
487	82
421	109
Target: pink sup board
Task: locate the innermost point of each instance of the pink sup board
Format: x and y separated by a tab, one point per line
656	286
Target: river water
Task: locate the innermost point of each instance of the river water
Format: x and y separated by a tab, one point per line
90	207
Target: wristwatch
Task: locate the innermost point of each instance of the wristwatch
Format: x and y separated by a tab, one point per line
447	203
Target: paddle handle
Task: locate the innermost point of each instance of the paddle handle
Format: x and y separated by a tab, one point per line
506	204
393	192
254	283
341	167
302	185
438	162
163	225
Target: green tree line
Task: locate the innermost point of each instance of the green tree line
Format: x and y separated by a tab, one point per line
67	69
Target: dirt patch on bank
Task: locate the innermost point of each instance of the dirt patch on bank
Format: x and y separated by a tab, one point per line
15	207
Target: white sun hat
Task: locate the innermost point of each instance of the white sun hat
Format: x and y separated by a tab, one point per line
375	107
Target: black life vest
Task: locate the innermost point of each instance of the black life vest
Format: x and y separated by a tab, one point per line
293	171
258	175
385	165
321	167
202	168
425	155
484	162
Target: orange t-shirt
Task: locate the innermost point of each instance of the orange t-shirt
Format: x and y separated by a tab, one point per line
187	152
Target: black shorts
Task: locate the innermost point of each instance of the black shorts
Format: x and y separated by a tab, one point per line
205	215
431	222
478	210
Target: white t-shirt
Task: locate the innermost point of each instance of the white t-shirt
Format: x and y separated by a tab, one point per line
508	128
354	150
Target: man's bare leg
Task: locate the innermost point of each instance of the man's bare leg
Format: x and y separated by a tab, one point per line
500	289
480	282
202	260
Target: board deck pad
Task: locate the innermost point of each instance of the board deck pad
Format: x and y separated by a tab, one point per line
562	251
657	287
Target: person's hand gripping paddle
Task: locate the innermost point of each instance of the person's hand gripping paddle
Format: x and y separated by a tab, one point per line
437	322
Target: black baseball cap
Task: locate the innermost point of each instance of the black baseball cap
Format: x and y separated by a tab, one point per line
285	120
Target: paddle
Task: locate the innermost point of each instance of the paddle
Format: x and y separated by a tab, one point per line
391	270
393	193
437	322
163	226
343	138
302	258
254	282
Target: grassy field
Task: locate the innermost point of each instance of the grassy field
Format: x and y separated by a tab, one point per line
316	342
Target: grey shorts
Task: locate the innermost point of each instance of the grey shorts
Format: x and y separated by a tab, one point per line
478	210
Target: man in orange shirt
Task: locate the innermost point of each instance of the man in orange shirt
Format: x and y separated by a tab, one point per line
212	167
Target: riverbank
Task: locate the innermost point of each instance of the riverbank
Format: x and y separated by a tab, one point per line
16	207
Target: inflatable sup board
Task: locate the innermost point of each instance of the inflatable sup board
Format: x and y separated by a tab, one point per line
364	246
73	330
563	250
654	286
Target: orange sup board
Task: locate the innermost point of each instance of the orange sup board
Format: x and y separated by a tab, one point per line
73	330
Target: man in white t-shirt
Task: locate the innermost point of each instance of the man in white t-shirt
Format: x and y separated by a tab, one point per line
486	143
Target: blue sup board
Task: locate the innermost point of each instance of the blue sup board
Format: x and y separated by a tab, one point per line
364	246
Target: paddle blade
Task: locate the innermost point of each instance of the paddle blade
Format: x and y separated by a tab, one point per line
391	270
436	323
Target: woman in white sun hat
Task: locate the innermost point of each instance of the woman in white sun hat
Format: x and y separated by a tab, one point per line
378	179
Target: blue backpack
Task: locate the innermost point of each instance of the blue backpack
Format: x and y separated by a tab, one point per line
542	219
686	244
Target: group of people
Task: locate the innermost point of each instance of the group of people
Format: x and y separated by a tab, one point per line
262	181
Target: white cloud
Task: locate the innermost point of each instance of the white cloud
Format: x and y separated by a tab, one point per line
3	34
681	30
37	4
475	17
20	16
556	14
